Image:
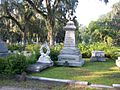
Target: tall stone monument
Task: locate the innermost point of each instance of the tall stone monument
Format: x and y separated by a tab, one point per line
3	49
70	54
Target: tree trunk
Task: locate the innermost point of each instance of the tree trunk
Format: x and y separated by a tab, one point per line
50	34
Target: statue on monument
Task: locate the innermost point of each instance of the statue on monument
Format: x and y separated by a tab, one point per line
70	16
44	58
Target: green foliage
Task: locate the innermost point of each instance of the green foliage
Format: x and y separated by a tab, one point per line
15	64
55	51
34	48
110	51
2	65
13	47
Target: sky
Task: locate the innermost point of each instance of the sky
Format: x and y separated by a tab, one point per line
89	10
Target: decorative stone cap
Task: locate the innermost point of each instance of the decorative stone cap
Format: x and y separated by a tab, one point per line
70	26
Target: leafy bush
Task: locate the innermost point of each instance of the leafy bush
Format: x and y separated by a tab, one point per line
110	51
2	65
34	48
55	51
15	64
13	47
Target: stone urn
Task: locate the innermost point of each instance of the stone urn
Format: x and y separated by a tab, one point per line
118	62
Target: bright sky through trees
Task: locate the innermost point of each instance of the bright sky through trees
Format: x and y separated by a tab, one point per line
88	10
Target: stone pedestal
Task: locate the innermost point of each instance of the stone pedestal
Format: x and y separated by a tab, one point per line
118	62
98	56
70	54
3	49
43	62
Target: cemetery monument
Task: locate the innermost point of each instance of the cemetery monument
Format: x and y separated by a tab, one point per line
44	60
98	56
70	55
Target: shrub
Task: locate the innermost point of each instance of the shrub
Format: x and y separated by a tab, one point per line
110	51
55	51
15	64
34	48
2	65
13	47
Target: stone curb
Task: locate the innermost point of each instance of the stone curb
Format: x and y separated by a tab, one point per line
75	82
101	86
117	86
58	80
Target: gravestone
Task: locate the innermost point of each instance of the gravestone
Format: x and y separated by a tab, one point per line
98	56
44	60
118	62
70	54
3	49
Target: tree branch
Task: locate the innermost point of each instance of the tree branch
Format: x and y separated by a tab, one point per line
36	9
55	5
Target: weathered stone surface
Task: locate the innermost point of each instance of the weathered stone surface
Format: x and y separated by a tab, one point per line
98	56
37	67
70	54
3	49
43	62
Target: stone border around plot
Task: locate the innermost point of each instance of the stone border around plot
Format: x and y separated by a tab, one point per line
75	82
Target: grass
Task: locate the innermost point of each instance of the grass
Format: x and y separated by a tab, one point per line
94	72
30	84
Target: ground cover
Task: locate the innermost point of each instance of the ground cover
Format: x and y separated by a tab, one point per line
11	84
94	72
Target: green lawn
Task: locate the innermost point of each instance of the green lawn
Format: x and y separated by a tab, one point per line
94	72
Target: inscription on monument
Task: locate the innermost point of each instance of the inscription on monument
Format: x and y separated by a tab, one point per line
69	39
66	58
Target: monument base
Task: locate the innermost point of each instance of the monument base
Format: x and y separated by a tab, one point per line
37	67
70	60
71	63
100	59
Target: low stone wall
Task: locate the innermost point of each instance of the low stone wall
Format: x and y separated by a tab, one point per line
76	83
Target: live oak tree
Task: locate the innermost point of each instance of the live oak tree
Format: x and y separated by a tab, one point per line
52	11
19	14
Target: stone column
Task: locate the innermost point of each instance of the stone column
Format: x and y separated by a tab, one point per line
70	54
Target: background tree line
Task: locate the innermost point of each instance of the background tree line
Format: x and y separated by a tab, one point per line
106	29
34	20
